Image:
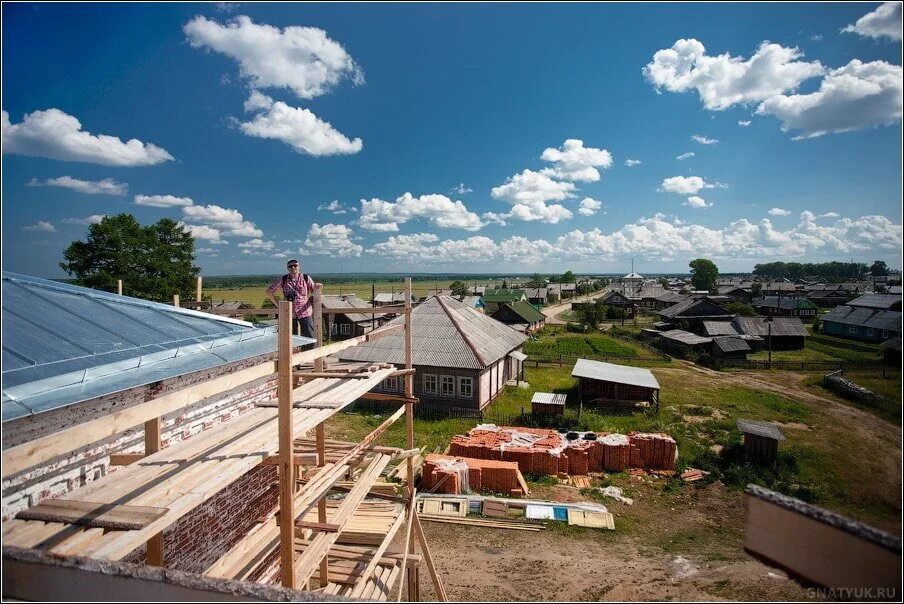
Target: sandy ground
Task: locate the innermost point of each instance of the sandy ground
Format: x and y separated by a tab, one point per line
553	311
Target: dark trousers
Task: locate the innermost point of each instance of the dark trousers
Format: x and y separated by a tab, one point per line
303	326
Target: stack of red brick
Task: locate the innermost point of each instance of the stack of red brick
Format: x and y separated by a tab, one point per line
482	475
552	454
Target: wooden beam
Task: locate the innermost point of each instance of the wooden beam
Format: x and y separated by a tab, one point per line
414	594
408	545
393	398
320	437
428	558
378	310
119	286
45	448
91	514
125	459
152	429
323	527
286	466
300	459
176	300
198	290
377	556
319	364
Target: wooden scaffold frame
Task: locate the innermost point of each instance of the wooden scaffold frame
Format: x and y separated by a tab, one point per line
111	517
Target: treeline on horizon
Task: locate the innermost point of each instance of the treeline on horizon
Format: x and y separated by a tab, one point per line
831	272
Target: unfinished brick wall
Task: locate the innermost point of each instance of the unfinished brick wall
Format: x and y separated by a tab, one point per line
483	475
90	463
551	453
204	535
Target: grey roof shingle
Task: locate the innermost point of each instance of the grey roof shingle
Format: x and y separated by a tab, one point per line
880	301
719	328
781	326
684	337
609	372
437	342
730	344
764	429
694	307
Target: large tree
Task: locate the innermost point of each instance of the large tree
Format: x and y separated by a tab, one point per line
153	261
879	269
459	288
704	274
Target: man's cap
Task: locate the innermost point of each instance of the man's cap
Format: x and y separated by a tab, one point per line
288	262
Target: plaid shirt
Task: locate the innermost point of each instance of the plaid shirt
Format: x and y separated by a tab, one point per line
303	305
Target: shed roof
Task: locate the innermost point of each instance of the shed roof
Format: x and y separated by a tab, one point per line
444	333
764	429
549	398
781	326
503	295
785	302
865	317
350	301
609	372
694	307
685	337
894	344
64	344
719	328
730	344
536	292
526	311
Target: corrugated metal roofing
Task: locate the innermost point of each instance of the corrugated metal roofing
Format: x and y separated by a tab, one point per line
64	344
694	307
685	337
785	302
608	372
865	317
730	344
527	312
349	301
719	328
549	398
436	342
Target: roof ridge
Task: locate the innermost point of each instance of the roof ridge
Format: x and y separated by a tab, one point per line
460	331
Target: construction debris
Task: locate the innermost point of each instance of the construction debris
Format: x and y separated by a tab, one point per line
616	493
456	475
692	474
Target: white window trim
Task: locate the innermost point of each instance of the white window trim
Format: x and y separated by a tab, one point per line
470	385
344	329
392	384
441	378
435	390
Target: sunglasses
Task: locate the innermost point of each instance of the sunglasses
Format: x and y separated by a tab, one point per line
292	265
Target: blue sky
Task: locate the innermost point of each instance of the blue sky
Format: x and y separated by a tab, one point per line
452	103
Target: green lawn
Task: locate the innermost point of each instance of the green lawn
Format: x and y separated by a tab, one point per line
822	347
594	344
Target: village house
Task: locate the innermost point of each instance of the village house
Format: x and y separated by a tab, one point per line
520	316
389	298
864	324
348	325
538	296
493	299
786	306
735	293
788	333
691	312
462	358
877	301
619	300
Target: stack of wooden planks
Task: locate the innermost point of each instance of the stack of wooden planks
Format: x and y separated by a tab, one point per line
484	522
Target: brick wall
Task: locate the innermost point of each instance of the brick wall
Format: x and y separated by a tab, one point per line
92	462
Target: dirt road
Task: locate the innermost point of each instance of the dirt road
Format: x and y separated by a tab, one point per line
552	312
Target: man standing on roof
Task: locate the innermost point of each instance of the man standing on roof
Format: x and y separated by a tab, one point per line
298	289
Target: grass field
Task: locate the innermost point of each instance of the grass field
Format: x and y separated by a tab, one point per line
823	460
822	347
580	344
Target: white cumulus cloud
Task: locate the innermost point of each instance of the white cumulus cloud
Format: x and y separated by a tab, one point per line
723	80
696	202
334	206
779	212
202	231
884	22
686	185
574	161
228	221
331	240
632	162
302	59
380	215
704	140
856	96
40	226
57	135
743	123
163	201
590	206
297	127
687	155
107	186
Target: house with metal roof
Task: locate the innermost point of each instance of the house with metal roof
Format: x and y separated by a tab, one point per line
348	325
786	306
71	353
877	301
619	300
788	333
728	347
735	293
538	296
692	311
520	316
609	384
462	357
864	324
497	297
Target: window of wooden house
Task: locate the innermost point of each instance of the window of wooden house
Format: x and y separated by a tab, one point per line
465	387
429	383
447	385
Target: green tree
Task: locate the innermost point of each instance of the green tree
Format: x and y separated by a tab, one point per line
153	261
740	309
536	280
756	289
664	282
567	277
879	269
704	274
459	288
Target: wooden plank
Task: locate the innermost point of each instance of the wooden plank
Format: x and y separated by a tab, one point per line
152	429
377	556
300	459
323	527
320	439
91	514
379	396
119	286
198	290
319	364
39	450
428	558
412	573
412	510
378	310
125	459
286	466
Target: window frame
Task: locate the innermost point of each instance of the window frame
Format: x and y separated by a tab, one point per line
344	329
426	381
470	380
442	384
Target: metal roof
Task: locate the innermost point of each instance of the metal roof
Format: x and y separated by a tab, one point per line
348	301
685	337
549	398
524	310
889	320
608	372
880	301
785	302
444	333
764	429
694	308
64	344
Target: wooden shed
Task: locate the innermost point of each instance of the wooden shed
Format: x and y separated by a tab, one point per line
615	384
548	403
761	439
